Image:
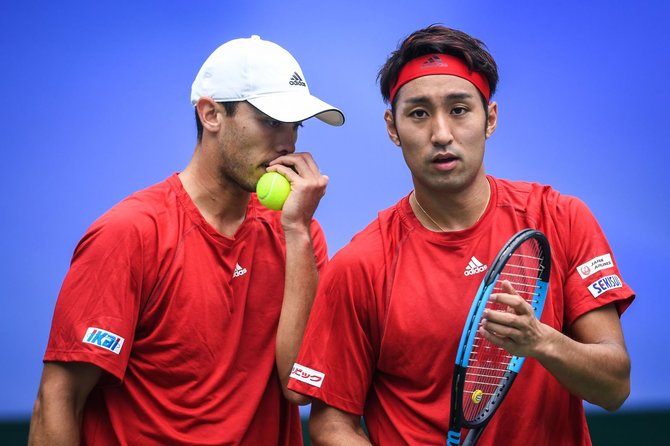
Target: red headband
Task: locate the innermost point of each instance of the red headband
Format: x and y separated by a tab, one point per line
429	64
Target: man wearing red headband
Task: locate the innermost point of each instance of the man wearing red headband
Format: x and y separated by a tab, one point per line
382	337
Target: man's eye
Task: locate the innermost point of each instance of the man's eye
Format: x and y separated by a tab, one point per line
418	114
459	110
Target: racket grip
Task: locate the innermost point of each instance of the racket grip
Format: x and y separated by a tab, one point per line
453	438
473	437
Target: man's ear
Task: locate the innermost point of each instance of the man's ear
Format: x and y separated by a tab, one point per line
390	127
208	112
492	120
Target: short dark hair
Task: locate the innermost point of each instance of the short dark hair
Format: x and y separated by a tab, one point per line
442	40
230	107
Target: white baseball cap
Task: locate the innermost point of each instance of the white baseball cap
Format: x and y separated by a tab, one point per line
265	75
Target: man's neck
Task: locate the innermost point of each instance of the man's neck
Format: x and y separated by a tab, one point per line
446	212
223	207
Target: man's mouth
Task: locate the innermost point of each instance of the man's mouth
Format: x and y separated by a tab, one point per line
445	158
445	161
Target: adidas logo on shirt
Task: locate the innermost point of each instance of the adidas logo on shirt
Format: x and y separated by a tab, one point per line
239	271
297	80
474	267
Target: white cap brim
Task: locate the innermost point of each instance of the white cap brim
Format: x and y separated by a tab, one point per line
296	107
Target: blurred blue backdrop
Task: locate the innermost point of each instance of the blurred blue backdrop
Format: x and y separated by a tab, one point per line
95	105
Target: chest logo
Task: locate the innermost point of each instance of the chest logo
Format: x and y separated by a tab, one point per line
474	267
239	271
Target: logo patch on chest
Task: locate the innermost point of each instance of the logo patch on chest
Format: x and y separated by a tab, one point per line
474	267
239	271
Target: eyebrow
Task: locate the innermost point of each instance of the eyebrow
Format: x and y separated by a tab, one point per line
450	97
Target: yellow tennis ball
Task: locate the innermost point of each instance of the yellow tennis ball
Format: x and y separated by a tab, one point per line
477	396
272	190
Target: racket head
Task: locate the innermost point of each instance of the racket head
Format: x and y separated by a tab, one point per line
485	371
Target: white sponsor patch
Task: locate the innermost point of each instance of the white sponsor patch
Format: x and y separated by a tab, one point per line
606	283
307	375
103	339
594	265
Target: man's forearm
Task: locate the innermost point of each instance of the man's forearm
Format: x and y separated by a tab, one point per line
299	291
598	373
329	426
59	408
52	425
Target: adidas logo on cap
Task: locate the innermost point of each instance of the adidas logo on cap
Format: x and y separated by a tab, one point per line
474	267
297	80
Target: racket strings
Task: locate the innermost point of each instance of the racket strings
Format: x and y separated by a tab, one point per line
488	364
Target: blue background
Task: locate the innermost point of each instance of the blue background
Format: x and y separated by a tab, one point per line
95	105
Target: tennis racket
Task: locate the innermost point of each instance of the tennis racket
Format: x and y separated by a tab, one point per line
485	372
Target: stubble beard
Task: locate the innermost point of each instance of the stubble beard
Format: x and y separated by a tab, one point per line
232	172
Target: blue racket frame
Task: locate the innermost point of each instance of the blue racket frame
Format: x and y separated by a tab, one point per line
470	331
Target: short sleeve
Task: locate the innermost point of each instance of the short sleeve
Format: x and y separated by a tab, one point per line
98	304
593	278
338	354
319	244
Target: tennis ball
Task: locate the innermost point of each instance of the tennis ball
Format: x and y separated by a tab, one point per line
272	190
477	396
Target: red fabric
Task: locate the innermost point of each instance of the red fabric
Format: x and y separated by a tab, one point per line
430	64
387	320
198	313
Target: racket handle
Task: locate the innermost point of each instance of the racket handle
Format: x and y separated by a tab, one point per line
473	437
453	438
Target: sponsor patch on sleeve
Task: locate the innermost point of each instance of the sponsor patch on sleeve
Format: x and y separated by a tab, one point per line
103	339
606	283
594	265
307	375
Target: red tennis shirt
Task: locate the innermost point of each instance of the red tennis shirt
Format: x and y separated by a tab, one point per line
183	320
382	337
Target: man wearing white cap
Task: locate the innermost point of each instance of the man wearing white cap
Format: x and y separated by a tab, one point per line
184	306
